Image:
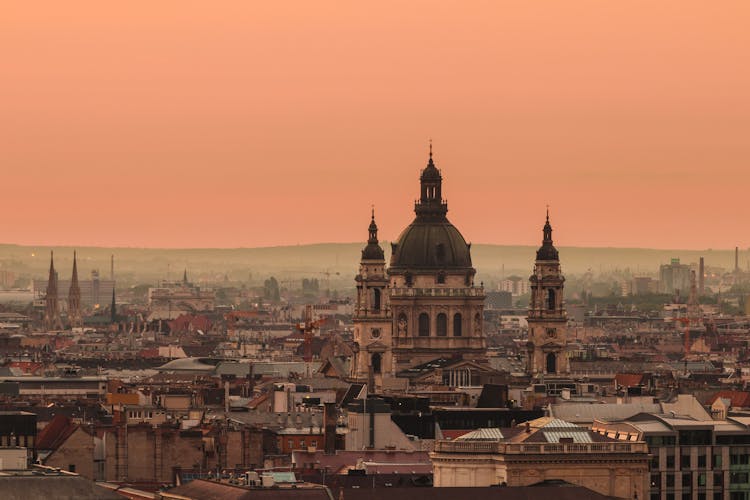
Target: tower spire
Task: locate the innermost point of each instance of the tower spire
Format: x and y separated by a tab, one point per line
74	297
113	308
547	251
372	251
52	310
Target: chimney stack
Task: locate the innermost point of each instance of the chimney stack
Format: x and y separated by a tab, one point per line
701	276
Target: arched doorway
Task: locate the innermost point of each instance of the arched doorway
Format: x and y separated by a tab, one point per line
551	363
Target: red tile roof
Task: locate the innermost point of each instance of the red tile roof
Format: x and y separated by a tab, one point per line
55	433
629	379
739	399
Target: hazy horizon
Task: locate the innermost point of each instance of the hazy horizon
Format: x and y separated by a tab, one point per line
238	124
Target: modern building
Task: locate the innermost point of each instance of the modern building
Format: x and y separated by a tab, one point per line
674	277
692	457
425	304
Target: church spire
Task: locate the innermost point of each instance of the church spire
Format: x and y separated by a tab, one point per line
373	251
547	251
74	297
373	229
52	310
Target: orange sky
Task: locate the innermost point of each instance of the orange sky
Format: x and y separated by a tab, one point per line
225	124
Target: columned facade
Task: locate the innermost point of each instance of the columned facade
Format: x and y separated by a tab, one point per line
430	306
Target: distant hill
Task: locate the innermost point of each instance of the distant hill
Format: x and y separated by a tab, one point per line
335	262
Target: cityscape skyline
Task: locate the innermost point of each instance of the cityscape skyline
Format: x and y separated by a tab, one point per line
249	126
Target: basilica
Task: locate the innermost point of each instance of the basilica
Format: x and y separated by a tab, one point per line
425	305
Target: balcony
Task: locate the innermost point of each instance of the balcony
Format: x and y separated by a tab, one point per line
475	291
537	448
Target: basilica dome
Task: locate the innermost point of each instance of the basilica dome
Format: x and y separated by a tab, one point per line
431	241
431	244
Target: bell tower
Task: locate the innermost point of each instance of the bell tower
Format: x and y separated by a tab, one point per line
547	345
372	322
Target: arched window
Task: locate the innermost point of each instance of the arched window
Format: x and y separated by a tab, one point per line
376	363
442	325
376	299
551	305
457	325
424	325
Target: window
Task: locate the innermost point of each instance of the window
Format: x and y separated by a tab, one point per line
717	460
291	444
314	443
376	299
442	325
738	477
457	325
702	479
670	480
718	479
551	304
656	480
685	462
424	325
687	480
741	459
695	438
670	462
71	467
702	461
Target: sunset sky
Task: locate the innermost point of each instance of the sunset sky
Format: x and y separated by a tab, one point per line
248	123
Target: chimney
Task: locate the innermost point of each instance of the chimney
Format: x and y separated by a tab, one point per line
528	428
701	276
329	422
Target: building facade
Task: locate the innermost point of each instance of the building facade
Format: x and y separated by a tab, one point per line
425	304
546	450
547	319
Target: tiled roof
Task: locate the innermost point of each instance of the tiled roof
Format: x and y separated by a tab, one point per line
738	399
488	434
55	433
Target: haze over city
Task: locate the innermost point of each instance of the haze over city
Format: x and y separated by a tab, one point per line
243	124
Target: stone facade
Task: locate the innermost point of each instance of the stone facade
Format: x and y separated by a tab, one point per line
616	469
425	305
547	319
